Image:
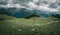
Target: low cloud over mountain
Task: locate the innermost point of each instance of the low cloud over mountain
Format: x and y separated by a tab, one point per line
45	6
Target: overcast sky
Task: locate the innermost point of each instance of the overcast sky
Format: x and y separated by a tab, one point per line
42	5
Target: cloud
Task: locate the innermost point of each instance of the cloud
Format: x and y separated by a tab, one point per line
44	5
31	5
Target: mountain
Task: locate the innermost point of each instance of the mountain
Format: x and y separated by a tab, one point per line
24	13
16	12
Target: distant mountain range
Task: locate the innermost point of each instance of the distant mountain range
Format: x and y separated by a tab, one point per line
23	12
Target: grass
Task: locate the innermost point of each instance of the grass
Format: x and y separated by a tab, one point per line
33	26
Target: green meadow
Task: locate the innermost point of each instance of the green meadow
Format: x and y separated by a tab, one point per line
33	26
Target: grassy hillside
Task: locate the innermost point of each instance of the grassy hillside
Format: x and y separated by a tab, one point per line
33	26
